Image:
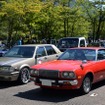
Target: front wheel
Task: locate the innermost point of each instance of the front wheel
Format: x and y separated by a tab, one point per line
24	76
86	85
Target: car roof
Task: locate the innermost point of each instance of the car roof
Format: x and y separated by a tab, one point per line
72	37
94	48
36	45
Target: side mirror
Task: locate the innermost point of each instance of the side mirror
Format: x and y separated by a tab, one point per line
84	61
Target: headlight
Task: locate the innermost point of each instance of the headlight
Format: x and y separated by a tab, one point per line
68	74
7	69
34	72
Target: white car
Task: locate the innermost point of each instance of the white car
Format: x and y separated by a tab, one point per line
16	63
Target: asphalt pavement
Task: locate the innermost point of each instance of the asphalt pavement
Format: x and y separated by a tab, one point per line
12	93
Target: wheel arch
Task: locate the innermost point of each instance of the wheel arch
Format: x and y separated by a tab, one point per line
82	88
90	74
24	66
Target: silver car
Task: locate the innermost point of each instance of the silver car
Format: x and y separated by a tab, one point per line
16	63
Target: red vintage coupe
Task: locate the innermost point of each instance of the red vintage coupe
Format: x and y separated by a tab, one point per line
76	68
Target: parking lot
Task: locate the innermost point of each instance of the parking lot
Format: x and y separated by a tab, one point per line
12	93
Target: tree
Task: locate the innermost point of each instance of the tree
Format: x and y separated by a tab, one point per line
17	15
73	16
96	15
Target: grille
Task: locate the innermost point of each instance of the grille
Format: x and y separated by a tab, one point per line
49	73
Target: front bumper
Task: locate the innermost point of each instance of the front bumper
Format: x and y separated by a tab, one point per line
9	76
59	84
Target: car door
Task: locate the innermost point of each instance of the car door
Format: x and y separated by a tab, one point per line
52	54
100	65
41	55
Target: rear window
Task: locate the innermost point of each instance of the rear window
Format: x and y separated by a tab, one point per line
68	43
21	51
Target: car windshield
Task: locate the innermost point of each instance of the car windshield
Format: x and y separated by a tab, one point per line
78	54
68	43
21	52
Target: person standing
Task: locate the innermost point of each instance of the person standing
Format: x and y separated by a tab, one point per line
20	41
44	41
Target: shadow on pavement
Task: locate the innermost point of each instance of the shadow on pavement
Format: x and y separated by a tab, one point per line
6	84
49	95
98	85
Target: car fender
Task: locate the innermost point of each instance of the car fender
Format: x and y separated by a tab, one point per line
24	65
84	74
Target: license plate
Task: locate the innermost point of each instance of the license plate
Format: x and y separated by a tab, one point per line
46	82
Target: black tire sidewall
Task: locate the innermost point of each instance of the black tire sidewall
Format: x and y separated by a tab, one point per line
21	75
82	87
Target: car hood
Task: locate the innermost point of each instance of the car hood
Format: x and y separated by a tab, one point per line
10	60
60	65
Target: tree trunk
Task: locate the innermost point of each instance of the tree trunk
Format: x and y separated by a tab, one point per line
98	30
10	31
99	25
67	27
94	28
65	34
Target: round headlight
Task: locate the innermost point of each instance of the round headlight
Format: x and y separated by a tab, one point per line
72	75
67	74
34	72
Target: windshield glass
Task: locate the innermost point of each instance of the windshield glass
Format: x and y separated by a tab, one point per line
21	51
78	54
68	43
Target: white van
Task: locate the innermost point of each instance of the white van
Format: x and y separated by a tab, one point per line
70	42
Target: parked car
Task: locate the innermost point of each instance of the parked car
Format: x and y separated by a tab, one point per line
3	50
16	63
102	43
76	68
71	42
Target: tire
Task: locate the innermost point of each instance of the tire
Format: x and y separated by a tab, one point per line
86	85
24	76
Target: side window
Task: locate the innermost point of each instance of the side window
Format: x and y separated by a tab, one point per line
82	43
101	54
40	52
50	50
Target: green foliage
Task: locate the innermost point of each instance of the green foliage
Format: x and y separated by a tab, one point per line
47	19
96	16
